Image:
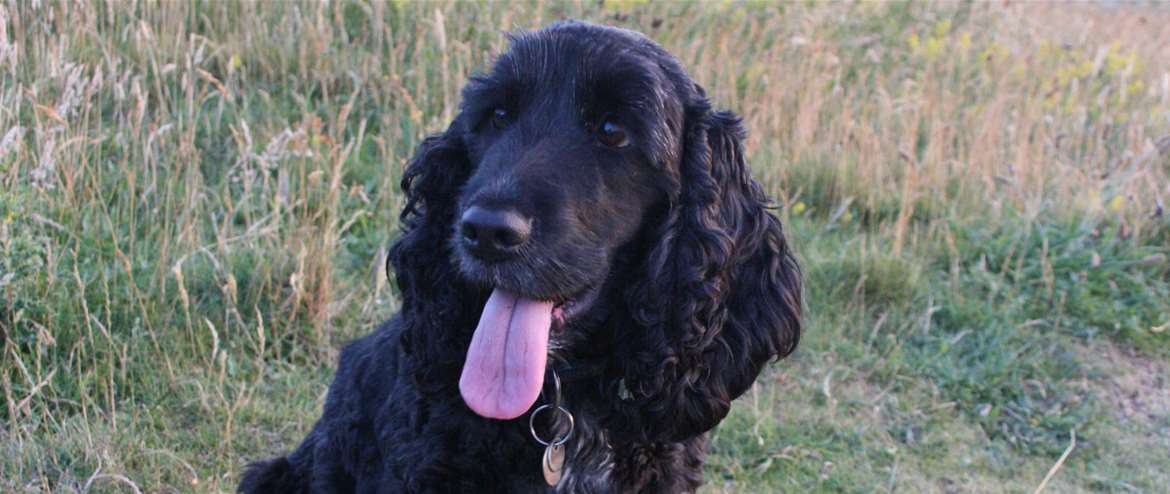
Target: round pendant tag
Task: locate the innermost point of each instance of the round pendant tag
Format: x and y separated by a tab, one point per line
553	464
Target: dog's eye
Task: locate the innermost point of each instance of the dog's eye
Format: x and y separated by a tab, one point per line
500	118
611	134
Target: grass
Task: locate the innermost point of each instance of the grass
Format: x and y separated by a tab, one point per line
196	198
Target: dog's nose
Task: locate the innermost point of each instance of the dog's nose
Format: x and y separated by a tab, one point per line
494	232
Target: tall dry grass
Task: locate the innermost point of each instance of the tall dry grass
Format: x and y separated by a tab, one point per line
197	195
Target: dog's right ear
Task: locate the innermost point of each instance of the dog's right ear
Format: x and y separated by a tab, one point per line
431	184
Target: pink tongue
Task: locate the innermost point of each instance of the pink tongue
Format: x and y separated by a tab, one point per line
504	370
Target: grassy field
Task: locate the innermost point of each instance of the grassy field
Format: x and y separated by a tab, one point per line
196	198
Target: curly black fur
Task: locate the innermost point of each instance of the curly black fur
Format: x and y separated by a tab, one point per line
696	287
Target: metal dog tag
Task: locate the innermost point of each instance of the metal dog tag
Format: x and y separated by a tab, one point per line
553	463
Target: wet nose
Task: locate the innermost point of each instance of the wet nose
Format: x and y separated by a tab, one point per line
494	233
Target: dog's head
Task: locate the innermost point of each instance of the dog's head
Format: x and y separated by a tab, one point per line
587	170
570	136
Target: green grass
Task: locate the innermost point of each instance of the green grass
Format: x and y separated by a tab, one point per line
196	199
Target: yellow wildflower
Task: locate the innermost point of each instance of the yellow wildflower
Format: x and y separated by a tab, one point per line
1114	62
933	48
1135	87
941	29
1085	68
1116	203
994	52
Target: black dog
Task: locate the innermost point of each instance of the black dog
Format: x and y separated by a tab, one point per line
586	215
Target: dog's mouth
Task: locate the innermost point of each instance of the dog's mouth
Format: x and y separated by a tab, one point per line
573	307
504	369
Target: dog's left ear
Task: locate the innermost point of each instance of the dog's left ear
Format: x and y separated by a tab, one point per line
722	289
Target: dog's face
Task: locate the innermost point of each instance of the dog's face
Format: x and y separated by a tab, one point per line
568	160
589	186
